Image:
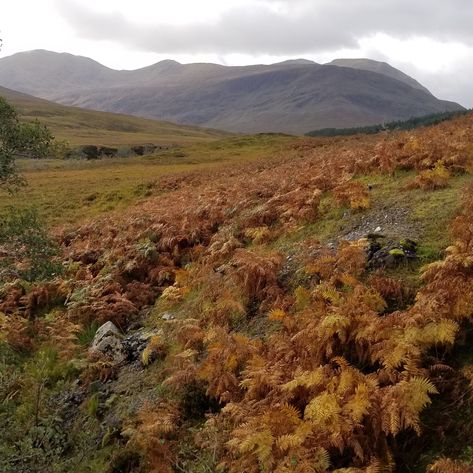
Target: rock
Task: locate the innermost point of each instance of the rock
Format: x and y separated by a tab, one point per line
169	316
408	245
135	343
377	229
108	341
106	330
389	254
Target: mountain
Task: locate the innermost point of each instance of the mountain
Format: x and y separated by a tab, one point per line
379	67
79	126
292	96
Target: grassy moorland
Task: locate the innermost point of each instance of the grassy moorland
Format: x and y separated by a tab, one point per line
79	126
308	303
66	191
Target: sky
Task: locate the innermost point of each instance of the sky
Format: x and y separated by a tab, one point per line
431	40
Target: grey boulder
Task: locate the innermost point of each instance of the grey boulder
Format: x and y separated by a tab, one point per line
108	341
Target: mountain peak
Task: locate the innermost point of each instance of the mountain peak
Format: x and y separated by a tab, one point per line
44	54
161	66
167	63
298	62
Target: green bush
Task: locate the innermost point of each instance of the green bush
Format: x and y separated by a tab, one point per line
27	251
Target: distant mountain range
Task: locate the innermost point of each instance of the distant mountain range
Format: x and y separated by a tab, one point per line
293	96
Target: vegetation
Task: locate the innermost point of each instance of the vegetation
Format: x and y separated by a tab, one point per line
399	125
278	344
19	139
28	251
78	126
67	191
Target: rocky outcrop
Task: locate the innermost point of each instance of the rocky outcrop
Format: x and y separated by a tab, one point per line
389	254
121	349
135	343
108	341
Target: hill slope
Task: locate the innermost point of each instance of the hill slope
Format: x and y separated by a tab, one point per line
271	316
292	97
80	126
380	67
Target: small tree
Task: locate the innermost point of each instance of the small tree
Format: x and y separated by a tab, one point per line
26	249
19	139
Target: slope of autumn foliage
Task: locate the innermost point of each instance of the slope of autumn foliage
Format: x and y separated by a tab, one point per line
332	382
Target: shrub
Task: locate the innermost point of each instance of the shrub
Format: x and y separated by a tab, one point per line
27	251
353	194
431	179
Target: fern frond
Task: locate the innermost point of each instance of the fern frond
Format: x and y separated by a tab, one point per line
322	409
307	379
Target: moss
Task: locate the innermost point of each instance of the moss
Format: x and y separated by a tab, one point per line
397	252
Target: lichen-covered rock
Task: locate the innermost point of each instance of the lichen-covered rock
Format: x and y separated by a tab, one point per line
135	343
389	254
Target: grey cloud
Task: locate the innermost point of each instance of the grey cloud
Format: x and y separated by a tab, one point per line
453	85
305	26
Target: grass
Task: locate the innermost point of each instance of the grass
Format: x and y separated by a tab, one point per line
67	191
79	126
429	214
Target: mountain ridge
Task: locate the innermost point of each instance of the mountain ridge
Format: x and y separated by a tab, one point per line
294	96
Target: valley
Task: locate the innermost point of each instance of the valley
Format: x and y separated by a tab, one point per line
236	237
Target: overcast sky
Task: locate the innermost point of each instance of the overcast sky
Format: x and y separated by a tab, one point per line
432	40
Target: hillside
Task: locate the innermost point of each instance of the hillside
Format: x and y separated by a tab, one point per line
291	97
379	67
79	126
308	311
